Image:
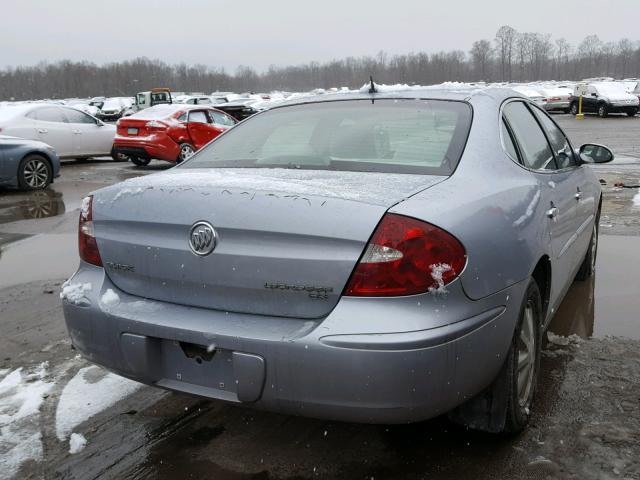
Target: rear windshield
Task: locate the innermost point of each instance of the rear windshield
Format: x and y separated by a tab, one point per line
397	136
159	111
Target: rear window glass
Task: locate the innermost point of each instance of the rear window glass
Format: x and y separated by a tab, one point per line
159	111
399	136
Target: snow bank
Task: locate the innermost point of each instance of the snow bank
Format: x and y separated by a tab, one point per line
91	391
77	442
75	293
21	395
636	200
403	87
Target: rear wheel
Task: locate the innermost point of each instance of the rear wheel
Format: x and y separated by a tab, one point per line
505	406
186	152
573	109
118	157
632	112
34	173
139	161
603	110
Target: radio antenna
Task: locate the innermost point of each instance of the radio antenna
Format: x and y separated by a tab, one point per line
372	87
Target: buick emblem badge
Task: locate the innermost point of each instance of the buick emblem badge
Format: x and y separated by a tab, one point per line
202	238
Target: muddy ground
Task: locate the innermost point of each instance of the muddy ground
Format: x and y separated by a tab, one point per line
586	424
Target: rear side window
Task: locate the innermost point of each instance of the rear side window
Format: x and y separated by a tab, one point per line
398	136
221	119
50	114
197	117
74	116
559	142
534	147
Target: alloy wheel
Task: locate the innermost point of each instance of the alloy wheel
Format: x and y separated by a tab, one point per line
526	355
36	173
186	152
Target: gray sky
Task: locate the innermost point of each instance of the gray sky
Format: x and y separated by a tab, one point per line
282	32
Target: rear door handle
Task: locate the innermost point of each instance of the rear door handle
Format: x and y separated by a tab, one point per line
77	132
578	194
552	212
43	130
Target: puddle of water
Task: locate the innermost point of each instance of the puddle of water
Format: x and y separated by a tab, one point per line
30	205
42	257
609	303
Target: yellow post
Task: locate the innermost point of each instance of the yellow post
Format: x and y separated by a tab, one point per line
580	115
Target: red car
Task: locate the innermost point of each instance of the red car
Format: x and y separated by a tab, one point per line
169	132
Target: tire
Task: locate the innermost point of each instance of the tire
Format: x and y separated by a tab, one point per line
185	153
118	157
573	109
505	406
632	112
603	110
139	161
588	266
34	173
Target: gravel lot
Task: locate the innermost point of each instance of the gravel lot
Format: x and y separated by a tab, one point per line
586	424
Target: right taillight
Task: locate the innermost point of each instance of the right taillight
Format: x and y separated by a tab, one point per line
87	245
406	256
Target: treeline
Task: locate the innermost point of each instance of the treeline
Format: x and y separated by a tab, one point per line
511	56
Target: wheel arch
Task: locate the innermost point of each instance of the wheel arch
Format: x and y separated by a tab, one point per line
542	275
40	153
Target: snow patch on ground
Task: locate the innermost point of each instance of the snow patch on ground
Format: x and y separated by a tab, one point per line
572	339
77	442
21	394
76	293
636	200
90	392
110	298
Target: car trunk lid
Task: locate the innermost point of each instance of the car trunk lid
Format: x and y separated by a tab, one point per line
288	240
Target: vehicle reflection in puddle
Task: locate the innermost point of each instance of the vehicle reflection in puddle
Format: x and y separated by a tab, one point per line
16	206
609	303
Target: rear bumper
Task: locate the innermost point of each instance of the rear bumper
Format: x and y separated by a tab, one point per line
302	367
152	147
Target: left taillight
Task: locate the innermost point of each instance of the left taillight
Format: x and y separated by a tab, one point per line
155	126
87	245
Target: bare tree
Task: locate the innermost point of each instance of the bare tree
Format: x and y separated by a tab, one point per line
625	54
505	40
481	54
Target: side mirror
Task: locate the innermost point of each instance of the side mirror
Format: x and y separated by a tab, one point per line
100	123
593	153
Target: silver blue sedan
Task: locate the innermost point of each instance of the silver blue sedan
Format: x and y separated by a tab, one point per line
27	164
370	257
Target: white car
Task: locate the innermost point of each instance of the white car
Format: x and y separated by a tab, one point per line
71	132
534	95
556	98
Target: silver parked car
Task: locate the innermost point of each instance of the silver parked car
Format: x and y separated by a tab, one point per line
372	257
73	133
